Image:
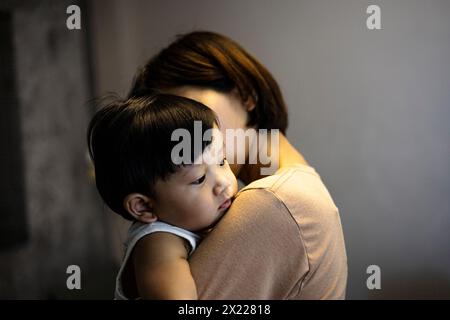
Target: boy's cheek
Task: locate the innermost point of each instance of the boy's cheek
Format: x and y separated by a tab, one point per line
235	169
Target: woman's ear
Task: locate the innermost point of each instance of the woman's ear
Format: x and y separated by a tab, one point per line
250	103
140	207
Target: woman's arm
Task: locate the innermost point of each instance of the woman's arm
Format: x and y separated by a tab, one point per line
161	268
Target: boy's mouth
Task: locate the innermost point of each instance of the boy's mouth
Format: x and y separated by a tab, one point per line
225	204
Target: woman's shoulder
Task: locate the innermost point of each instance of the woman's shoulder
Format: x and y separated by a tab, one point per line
292	187
287	178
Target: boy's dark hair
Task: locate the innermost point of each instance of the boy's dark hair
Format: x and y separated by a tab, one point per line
211	60
130	143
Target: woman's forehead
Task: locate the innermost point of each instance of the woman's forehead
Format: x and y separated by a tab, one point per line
215	100
229	108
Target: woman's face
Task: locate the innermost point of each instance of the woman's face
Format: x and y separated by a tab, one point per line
229	108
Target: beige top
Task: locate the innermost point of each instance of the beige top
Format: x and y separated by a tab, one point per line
281	239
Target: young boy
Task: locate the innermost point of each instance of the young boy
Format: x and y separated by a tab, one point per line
130	143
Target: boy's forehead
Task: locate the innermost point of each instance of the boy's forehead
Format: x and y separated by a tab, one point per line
186	169
213	152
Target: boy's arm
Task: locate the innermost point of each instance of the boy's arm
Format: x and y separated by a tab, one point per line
161	268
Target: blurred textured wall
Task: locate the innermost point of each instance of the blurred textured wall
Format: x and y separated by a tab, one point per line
65	221
369	109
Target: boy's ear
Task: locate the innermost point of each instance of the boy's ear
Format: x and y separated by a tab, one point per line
140	207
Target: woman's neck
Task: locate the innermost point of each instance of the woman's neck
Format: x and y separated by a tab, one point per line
287	155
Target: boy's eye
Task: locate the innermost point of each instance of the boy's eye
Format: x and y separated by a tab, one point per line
199	180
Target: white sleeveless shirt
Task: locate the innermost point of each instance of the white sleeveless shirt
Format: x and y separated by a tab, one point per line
137	231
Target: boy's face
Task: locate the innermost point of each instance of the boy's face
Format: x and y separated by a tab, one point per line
196	196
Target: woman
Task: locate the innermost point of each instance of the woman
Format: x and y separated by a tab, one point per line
282	237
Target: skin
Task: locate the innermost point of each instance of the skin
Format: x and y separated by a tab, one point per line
192	198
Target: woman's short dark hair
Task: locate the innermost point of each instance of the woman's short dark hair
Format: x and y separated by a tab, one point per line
211	60
130	143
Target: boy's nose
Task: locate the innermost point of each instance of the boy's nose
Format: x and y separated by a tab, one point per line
221	186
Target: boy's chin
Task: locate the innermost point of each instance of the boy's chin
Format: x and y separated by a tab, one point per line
208	229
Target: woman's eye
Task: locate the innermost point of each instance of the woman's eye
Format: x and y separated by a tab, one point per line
199	180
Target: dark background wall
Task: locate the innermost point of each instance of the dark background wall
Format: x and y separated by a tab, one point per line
62	219
368	109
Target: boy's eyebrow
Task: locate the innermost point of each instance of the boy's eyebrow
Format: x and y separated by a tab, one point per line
183	169
185	172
